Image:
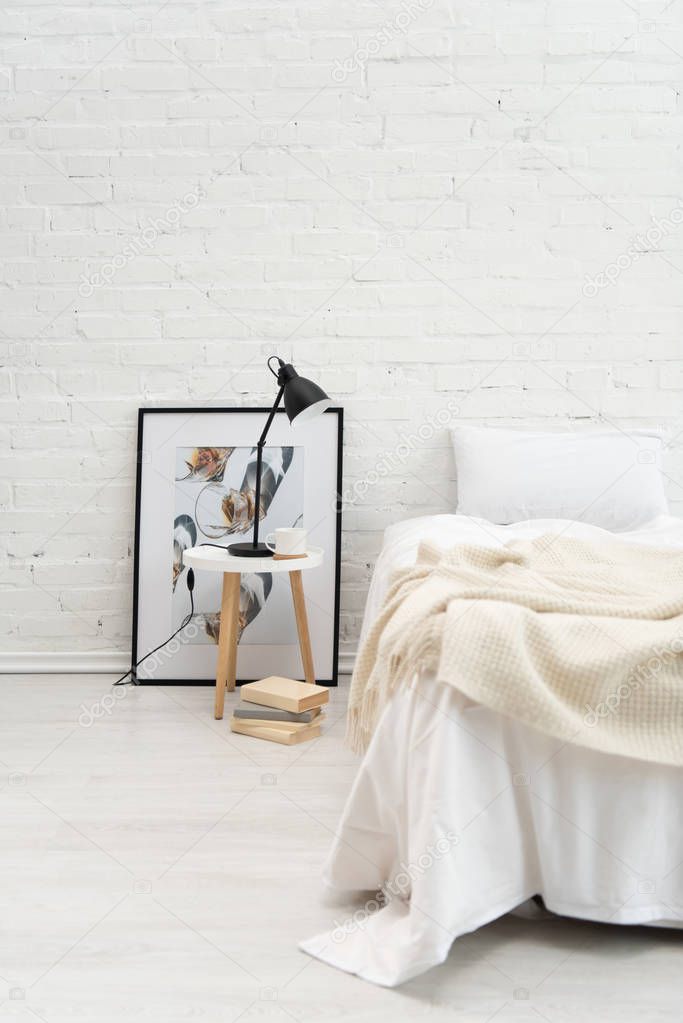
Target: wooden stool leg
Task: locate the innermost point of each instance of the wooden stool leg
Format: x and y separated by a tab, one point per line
227	639
302	625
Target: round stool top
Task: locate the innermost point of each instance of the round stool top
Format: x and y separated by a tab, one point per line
214	560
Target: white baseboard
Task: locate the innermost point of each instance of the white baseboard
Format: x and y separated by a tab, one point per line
92	662
87	662
346	662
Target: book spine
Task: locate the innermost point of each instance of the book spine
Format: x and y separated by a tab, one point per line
272	714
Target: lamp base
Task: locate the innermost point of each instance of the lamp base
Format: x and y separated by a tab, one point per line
247	550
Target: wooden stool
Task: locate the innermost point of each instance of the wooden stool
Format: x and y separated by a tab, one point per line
214	560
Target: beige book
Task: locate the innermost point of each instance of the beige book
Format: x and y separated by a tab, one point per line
285	693
285	726
283	733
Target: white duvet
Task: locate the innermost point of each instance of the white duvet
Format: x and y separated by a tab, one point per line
461	815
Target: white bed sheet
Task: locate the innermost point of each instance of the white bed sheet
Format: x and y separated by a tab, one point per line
467	814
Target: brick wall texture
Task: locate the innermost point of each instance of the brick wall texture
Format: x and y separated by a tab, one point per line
464	209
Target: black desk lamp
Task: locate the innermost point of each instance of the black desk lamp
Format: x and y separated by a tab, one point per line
304	400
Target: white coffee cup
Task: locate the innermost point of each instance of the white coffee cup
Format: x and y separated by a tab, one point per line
289	542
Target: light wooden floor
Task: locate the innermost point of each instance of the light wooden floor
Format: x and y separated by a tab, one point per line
155	867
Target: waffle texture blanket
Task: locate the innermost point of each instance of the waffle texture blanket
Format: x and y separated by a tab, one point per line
582	641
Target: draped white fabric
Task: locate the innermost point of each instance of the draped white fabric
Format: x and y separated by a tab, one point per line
462	815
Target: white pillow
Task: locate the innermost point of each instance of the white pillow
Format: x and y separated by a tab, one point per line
604	478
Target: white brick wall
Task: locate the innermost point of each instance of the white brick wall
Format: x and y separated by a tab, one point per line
410	199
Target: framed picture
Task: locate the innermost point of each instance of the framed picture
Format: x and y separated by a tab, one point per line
195	484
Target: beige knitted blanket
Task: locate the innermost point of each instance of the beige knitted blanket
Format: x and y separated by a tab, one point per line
579	640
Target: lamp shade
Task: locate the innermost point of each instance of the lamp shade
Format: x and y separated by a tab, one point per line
303	399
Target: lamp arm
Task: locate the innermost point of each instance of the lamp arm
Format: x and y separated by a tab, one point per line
259	463
271	416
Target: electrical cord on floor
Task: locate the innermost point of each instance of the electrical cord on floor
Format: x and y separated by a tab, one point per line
185	622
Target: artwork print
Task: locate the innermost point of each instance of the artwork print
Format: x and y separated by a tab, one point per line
214	502
196	483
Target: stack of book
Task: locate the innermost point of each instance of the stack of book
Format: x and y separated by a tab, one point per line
280	710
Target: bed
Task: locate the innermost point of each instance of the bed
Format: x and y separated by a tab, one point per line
460	814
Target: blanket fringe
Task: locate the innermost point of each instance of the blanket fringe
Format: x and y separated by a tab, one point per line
361	718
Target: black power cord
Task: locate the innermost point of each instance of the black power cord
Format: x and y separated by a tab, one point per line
186	621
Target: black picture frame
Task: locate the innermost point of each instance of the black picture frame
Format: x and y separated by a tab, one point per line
136	654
